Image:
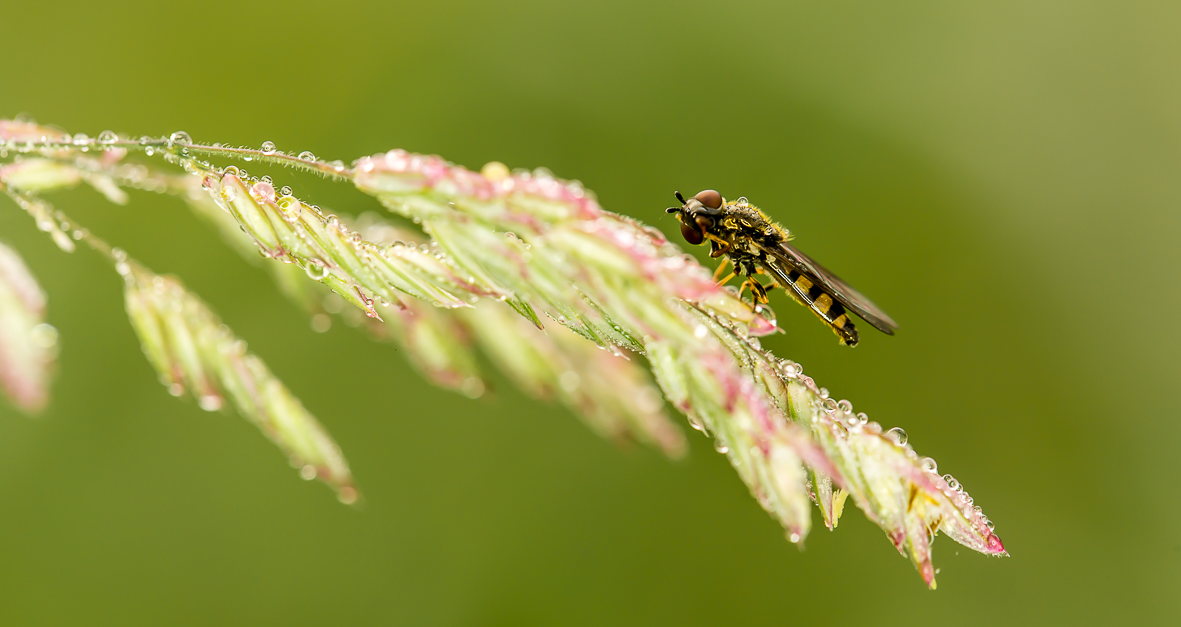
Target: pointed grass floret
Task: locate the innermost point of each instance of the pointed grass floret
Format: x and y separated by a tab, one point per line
195	354
28	346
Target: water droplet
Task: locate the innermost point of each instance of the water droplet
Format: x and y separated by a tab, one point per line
742	201
107	137
179	137
721	448
81	139
44	335
266	179
337	165
794	538
210	402
321	323
846	406
231	170
176	389
823	392
315	270
952	483
63	241
149	150
570	381
929	465
286	190
290	207
897	435
472	387
991	525
307	473
307	155
268	148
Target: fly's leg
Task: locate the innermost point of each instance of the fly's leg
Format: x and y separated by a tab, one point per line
758	293
721	267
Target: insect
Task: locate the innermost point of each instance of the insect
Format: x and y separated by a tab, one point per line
755	244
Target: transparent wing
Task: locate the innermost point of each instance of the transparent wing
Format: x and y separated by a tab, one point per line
785	257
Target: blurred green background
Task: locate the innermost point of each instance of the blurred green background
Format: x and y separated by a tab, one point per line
1004	178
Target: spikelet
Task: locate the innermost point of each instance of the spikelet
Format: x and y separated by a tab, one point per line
195	353
28	346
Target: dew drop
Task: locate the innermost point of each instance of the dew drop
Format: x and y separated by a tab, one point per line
81	139
307	155
231	170
742	201
794	538
348	495
63	241
929	465
952	483
286	190
897	435
845	406
179	137
266	179
991	525
721	448
472	387
315	270
308	472
268	148
107	138
210	402
321	323
44	335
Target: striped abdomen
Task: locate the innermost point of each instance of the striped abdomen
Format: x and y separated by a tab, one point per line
825	306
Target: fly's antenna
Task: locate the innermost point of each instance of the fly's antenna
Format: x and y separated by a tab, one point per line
679	197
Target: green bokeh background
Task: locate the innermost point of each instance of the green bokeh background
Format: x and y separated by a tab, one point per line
1003	177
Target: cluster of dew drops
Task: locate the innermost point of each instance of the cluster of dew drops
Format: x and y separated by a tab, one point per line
318	269
841	414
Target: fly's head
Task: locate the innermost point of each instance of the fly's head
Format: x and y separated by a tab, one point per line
699	215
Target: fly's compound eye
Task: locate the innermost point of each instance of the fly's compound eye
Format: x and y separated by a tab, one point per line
709	198
691	234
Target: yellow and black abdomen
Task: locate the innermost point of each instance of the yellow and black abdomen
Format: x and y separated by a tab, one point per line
824	306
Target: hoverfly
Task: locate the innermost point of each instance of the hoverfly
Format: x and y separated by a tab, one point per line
756	245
